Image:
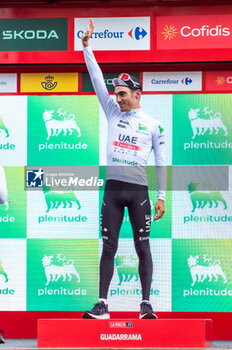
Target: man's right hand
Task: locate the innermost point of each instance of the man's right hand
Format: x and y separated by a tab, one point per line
87	35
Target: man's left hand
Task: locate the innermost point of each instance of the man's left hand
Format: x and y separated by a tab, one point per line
159	209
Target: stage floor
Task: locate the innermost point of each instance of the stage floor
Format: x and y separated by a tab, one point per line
32	344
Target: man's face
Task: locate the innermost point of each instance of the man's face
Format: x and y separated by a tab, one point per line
126	98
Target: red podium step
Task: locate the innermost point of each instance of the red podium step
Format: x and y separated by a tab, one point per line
129	333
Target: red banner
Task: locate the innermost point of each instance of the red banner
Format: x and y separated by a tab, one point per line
122	35
218	81
194	32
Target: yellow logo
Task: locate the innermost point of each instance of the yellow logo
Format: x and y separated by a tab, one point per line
220	81
49	84
169	32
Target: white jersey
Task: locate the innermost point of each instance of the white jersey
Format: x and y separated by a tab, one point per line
3	187
131	136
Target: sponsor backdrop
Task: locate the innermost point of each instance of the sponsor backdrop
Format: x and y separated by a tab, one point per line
50	241
125	36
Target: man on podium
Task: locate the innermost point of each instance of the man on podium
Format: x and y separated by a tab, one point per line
126	186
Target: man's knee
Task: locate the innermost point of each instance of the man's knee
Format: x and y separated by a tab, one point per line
142	247
109	248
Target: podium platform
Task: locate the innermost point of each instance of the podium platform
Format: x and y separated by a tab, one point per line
124	333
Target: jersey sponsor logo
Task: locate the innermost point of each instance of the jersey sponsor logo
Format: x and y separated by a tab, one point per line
121	126
127	138
124	161
142	129
189	32
126	146
123	122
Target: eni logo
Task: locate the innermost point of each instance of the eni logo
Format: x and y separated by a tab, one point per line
49	84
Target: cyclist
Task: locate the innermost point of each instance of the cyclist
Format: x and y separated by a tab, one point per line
131	136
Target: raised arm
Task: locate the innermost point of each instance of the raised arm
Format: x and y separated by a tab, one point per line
3	187
108	104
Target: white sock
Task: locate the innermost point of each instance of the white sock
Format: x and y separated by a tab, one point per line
146	301
104	300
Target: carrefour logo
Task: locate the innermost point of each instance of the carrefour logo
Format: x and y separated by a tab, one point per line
137	33
116	33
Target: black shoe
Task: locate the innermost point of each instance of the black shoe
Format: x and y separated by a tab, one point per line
99	312
146	311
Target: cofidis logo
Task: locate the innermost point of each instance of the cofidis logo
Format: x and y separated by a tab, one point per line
192	32
218	81
115	33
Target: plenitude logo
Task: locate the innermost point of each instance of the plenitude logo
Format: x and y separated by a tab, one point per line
206	274
205	121
4	134
61	123
62	202
115	33
127	271
201	129
59	276
201	275
207	205
192	32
